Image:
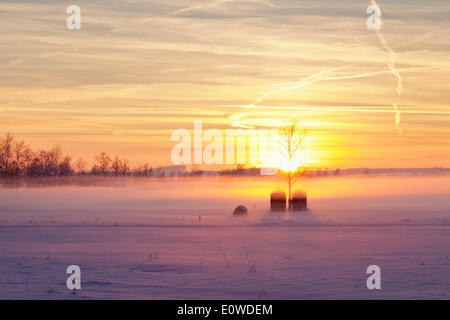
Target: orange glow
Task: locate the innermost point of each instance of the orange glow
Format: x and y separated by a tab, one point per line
96	92
288	165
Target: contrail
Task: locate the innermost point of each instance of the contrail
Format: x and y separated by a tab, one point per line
52	54
219	2
316	77
325	75
367	109
47	55
351	76
394	71
114	30
245	120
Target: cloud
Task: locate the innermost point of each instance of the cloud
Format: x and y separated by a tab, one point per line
144	63
214	4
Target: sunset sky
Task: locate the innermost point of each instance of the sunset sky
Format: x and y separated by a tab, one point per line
137	70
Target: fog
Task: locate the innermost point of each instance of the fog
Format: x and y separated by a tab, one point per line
372	200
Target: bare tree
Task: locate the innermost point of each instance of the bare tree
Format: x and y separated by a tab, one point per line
103	163
48	163
6	153
64	167
21	158
124	167
120	166
292	141
80	166
36	166
116	165
17	159
53	159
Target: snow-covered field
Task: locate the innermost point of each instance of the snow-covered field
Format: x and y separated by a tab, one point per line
176	238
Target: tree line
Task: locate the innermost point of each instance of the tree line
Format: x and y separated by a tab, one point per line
17	159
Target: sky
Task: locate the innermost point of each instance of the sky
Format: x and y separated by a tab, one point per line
138	70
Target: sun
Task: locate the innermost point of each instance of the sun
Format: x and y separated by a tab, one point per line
288	165
278	160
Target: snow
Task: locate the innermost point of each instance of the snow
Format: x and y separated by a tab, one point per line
176	238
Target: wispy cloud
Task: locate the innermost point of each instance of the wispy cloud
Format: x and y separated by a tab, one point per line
325	75
143	68
218	3
395	72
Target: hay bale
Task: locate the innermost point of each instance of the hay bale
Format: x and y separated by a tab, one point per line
299	201
278	201
240	211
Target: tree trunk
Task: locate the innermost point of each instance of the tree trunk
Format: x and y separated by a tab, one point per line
290	190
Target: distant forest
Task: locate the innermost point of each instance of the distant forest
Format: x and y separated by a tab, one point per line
17	159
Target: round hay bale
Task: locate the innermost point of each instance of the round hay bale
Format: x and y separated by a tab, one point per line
240	211
278	201
299	201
